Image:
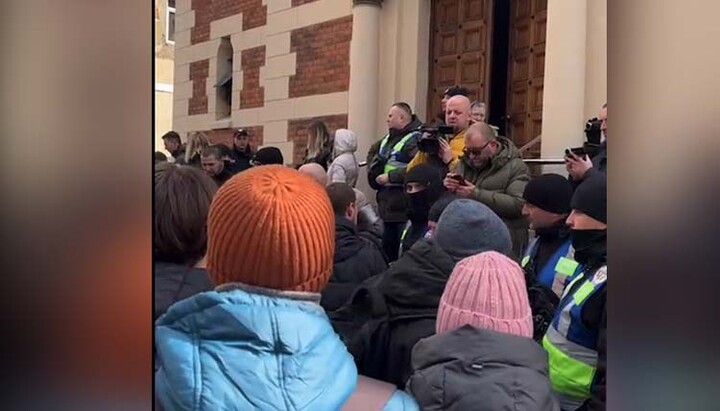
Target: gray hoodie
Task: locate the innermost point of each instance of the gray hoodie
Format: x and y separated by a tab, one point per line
470	369
344	167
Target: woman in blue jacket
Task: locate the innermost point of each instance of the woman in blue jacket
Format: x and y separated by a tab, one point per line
261	341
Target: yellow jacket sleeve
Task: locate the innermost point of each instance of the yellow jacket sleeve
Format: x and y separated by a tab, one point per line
419	158
457	144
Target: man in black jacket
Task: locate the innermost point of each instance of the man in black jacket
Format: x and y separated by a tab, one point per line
241	152
391	312
357	256
214	166
387	160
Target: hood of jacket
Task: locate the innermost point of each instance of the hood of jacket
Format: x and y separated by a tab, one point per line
259	350
417	280
345	142
506	152
470	368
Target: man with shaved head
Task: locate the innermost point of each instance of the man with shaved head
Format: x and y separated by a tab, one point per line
491	171
387	160
457	115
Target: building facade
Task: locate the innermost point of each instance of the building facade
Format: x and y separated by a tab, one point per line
164	68
273	66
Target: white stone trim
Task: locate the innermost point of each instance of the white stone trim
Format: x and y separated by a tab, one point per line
164	87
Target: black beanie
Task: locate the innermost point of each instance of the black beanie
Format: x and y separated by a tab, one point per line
268	155
591	197
424	174
549	192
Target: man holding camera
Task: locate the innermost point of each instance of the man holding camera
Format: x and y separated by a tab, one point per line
492	172
443	152
580	167
387	160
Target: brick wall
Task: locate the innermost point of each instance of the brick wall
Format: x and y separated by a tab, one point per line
323	58
225	136
252	95
199	71
297	132
206	11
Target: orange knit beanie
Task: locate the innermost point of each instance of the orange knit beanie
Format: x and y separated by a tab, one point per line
273	227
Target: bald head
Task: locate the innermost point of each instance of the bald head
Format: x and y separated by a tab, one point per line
481	131
457	113
315	171
481	145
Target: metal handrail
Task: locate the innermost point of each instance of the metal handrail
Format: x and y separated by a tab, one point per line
544	160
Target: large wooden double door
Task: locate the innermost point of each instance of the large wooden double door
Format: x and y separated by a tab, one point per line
461	54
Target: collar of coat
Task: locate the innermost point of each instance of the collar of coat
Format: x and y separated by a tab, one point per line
252	289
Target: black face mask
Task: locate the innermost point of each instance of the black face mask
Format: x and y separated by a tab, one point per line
418	205
590	246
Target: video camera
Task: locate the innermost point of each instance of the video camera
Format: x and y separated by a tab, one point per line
592	146
429	143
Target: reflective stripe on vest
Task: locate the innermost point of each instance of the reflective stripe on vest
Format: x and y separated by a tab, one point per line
572	365
565	267
392	162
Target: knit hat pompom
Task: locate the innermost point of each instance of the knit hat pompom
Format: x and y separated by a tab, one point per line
272	227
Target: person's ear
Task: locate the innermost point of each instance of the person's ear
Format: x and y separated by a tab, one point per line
351	211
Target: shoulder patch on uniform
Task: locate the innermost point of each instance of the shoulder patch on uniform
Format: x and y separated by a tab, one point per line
600	275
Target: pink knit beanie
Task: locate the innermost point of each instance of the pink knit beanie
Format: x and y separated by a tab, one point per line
486	291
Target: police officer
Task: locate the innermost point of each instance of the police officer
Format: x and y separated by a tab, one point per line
549	255
575	340
387	160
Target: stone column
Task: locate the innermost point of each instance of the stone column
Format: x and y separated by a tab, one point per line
564	91
364	70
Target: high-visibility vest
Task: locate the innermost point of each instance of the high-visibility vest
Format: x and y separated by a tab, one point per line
392	162
404	234
572	347
559	268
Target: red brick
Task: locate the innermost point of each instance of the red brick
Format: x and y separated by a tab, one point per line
252	95
297	132
207	11
198	103
323	58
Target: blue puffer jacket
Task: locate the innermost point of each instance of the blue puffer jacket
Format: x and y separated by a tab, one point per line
240	350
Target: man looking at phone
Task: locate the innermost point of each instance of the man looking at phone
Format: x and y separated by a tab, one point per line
580	167
491	171
457	116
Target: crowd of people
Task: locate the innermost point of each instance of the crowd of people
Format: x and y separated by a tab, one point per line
466	285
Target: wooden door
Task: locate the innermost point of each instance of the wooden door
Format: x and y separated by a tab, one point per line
460	39
526	66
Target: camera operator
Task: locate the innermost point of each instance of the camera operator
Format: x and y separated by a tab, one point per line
447	95
492	172
387	160
444	151
582	167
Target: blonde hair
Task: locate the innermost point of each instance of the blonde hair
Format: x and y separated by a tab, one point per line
197	142
318	139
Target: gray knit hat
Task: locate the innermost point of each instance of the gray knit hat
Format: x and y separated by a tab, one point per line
468	227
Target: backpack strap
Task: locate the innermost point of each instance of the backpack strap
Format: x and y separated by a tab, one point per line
369	395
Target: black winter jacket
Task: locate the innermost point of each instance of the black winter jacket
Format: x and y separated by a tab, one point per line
470	369
357	258
391	312
391	198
